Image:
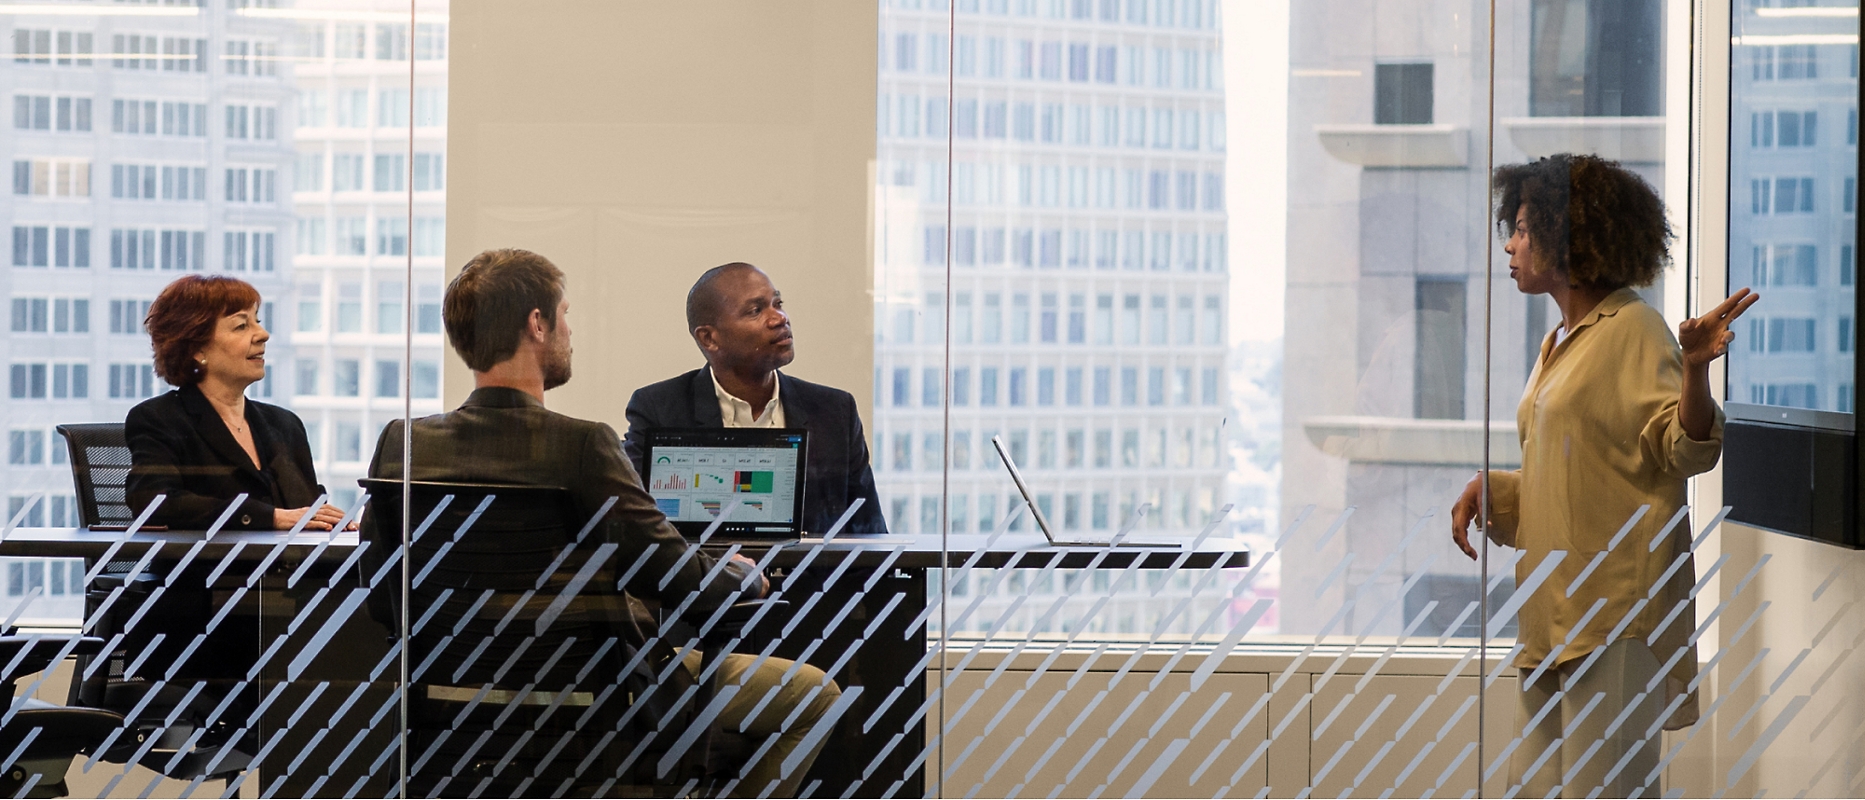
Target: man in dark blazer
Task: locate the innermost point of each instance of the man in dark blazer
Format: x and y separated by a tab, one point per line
737	318
506	316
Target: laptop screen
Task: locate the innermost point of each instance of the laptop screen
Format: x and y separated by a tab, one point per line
695	474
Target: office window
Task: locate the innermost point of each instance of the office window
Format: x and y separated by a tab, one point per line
352	107
1046	386
351	235
389	307
430	42
903	452
391	173
1210	386
929	387
424	380
430	237
987	386
250	251
312	236
961	449
55	113
52	177
346	377
52	47
1103	386
1402	94
346	172
1156	386
1019	386
306	376
427	309
1130	319
25	447
388	378
961	386
126	316
1439	371
991	322
132	381
1129	386
903	386
430	172
1160	321
392	236
392	108
391	42
349	307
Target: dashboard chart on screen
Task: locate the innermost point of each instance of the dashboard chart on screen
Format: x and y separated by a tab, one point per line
694	476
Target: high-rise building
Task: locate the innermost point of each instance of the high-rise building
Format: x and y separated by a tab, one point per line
1793	145
146	143
1085	233
364	140
251	139
1389	235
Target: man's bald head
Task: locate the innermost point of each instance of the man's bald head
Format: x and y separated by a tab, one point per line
705	301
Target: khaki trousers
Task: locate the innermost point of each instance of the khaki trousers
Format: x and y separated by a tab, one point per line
792	713
1598	738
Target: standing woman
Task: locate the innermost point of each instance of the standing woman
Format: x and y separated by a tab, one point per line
204	444
1616	416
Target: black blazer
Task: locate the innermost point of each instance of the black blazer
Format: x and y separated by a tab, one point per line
837	471
179	447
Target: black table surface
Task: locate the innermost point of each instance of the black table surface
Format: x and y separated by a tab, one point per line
1010	549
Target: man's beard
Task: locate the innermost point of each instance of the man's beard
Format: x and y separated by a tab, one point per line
557	369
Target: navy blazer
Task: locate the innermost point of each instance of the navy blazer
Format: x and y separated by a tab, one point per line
179	447
837	471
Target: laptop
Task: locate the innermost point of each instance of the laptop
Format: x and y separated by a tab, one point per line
1042	520
729	484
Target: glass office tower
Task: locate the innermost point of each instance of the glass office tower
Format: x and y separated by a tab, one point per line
144	144
362	148
1088	254
1793	172
1086	242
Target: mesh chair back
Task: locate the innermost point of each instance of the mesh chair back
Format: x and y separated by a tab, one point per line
100	468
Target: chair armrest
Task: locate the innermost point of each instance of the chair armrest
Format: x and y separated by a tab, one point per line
132	583
733	622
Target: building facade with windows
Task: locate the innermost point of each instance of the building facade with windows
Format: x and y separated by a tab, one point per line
366	132
1088	281
1793	159
1387	367
145	144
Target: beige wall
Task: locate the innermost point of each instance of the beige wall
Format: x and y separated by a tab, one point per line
637	144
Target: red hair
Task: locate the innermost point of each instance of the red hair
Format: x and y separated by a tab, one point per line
184	317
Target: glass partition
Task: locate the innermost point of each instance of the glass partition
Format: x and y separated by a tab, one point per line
1129	360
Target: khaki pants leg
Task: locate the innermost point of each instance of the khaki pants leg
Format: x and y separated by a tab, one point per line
807	696
1612	750
1538	723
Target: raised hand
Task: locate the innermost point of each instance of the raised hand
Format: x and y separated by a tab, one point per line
1706	338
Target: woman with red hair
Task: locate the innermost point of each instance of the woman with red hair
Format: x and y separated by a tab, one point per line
199	447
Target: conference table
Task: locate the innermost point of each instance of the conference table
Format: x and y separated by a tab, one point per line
864	608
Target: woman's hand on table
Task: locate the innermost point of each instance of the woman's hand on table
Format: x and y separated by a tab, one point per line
325	518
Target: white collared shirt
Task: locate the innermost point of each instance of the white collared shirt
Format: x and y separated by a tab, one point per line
737	413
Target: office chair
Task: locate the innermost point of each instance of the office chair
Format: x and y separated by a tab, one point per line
519	633
100	465
39	739
100	469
